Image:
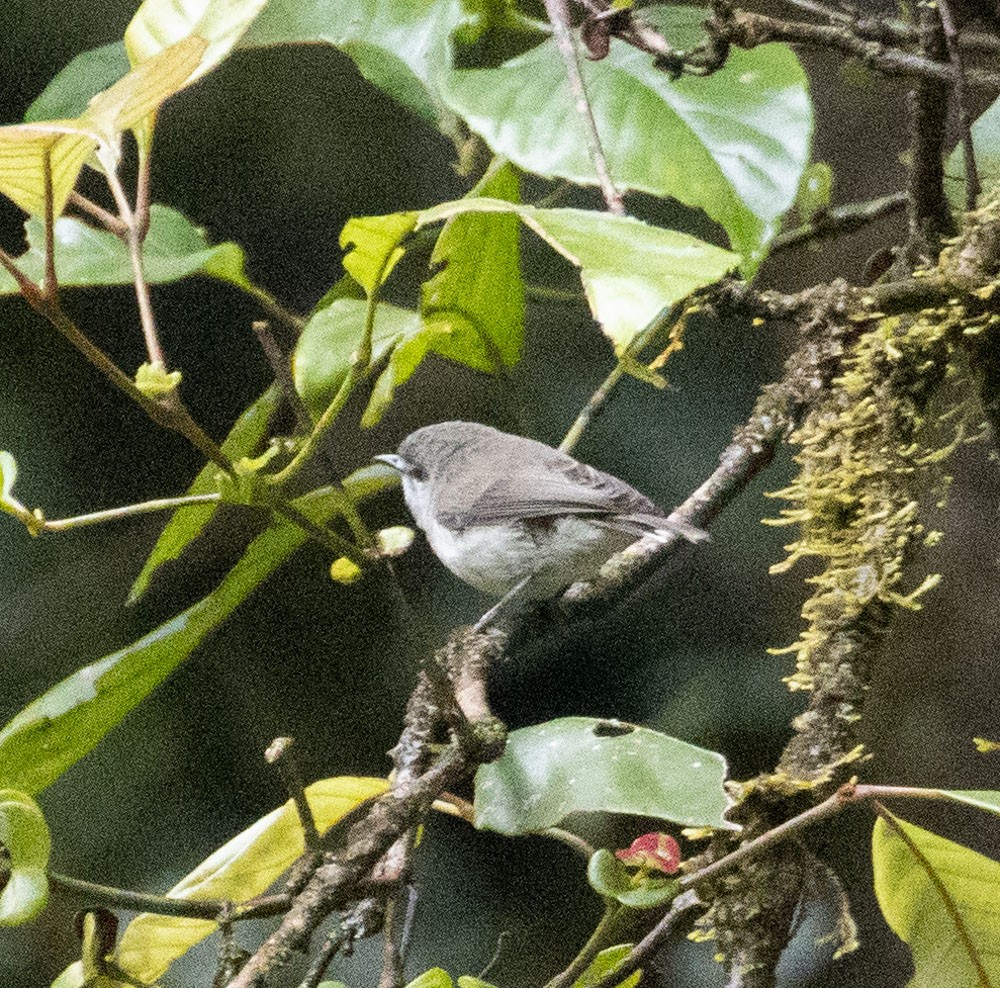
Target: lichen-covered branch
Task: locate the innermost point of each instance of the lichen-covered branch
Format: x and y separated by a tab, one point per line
869	454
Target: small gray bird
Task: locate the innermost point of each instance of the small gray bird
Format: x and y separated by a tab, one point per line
507	513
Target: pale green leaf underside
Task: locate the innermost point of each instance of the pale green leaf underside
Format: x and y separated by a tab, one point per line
237	871
942	901
582	764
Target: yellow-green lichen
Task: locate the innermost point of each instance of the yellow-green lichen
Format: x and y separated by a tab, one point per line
868	453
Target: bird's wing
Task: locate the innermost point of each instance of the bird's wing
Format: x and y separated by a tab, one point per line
565	487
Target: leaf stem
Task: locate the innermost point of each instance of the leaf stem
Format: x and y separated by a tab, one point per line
597	941
272	305
134	236
163	905
598	399
99	213
50	286
127	511
559	19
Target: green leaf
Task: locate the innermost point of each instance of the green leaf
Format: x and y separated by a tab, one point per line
24	837
581	763
630	272
401	46
604	963
374	247
57	729
188	523
468	981
474	304
734	143
610	878
174	248
24	149
68	94
436	977
986	142
941	899
984	799
239	870
331	337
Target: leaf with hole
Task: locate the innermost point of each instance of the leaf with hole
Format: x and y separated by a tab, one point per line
580	764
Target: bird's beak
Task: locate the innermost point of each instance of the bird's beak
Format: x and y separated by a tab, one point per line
393	460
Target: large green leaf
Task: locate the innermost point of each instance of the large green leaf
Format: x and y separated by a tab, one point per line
174	248
474	303
68	94
56	730
580	763
25	840
941	899
188	523
630	270
734	144
237	871
402	46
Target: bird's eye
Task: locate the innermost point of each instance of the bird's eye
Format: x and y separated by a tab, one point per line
416	473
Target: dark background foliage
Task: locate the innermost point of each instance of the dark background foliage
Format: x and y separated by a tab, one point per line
275	151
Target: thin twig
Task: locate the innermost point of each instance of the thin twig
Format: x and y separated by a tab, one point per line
282	373
114	898
106	218
599	398
749	30
972	186
559	19
279	752
274	307
596	942
50	286
820	10
841	219
126	511
133	241
31	292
